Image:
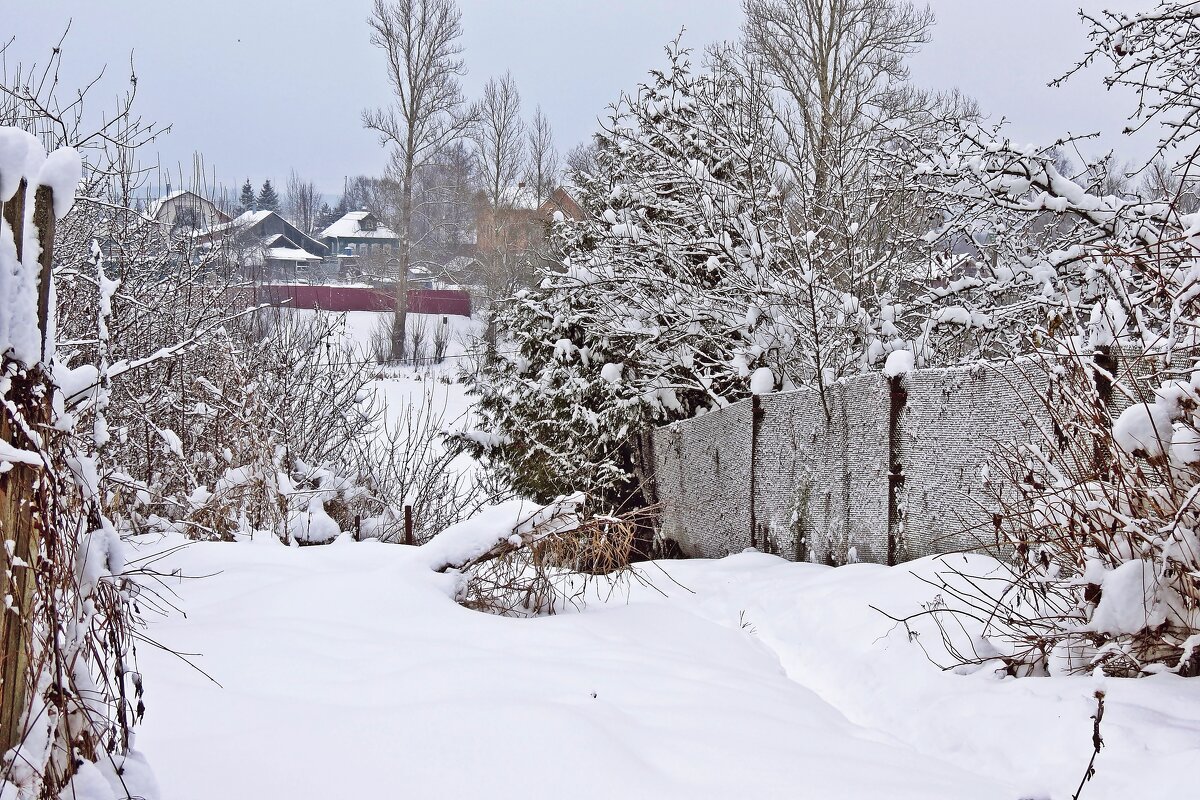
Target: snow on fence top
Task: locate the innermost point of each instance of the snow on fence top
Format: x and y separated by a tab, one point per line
23	298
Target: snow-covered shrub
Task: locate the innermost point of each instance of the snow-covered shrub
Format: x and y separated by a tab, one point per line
664	301
413	463
557	557
711	263
1098	521
1098	513
70	686
277	437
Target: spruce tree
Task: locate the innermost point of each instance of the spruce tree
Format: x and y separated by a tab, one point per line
662	304
246	201
267	199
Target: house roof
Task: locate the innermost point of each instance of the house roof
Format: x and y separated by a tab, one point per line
350	227
157	205
250	219
290	254
247	219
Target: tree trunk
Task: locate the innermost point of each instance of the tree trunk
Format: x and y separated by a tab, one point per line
399	331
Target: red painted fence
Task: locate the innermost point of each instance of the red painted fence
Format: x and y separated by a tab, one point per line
362	298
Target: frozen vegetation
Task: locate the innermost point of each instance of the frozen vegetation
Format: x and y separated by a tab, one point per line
255	551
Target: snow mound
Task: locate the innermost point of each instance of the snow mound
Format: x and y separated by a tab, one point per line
762	381
899	362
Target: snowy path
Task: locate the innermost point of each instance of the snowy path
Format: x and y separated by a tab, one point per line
348	672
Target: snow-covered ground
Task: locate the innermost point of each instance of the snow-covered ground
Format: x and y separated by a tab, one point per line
348	671
433	387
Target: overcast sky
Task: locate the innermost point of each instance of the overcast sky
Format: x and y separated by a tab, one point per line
264	86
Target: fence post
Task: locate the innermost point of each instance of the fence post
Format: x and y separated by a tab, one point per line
756	415
898	398
23	487
408	525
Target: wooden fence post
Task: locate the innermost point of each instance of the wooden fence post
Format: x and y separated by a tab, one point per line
24	488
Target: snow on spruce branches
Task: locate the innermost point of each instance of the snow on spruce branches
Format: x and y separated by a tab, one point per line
667	297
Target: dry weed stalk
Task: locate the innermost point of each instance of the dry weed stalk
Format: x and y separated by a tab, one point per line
1098	543
559	560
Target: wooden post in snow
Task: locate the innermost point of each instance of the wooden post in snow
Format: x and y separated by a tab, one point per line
24	487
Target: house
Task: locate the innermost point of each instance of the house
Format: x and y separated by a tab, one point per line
272	247
360	235
362	244
186	209
514	233
520	223
560	201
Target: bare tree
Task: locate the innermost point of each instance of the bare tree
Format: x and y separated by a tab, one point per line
840	62
543	158
581	160
1161	182
420	39
300	202
840	73
499	136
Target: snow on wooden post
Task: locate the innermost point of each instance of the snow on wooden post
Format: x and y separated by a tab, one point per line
23	487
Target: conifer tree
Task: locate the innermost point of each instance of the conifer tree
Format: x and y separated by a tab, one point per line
660	307
267	199
246	200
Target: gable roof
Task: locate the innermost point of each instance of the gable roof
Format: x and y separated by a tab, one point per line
350	227
247	222
157	206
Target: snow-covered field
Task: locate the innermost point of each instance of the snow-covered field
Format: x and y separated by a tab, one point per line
348	671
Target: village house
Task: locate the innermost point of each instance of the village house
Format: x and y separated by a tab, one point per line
271	247
362	244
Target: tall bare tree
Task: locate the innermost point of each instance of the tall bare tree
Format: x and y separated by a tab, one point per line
499	135
420	39
543	157
841	62
301	201
841	78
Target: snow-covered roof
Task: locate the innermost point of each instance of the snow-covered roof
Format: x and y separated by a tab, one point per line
247	219
290	254
157	205
350	227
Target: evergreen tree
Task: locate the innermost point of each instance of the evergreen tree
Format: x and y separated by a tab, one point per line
246	201
267	199
325	217
663	304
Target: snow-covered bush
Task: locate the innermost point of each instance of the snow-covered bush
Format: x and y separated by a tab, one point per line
665	300
71	689
719	255
1099	512
551	558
